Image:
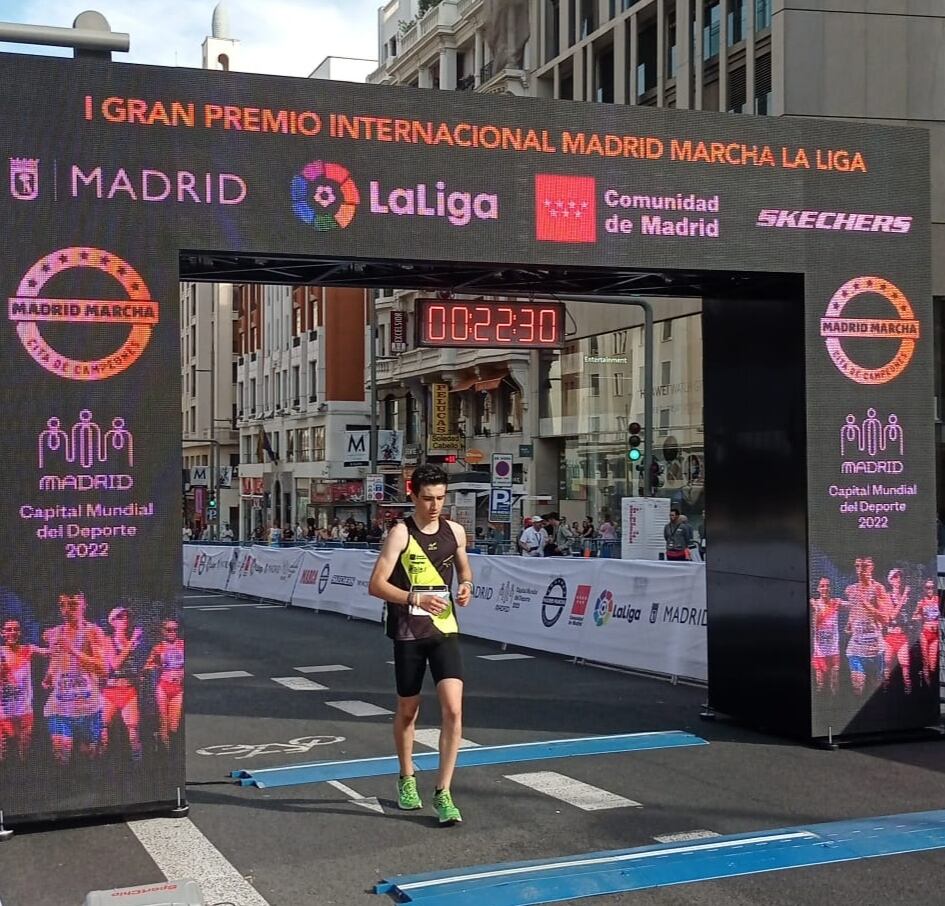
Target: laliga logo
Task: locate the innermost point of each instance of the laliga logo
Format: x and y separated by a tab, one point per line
324	196
836	329
30	307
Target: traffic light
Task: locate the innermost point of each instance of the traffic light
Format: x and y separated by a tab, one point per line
634	443
212	502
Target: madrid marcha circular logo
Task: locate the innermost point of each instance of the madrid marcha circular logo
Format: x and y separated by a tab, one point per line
324	196
323	577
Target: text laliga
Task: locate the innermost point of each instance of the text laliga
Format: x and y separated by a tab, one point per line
457	207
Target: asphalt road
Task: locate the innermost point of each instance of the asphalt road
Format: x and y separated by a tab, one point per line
311	844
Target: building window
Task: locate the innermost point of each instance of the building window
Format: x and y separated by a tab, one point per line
588	17
762	14
412	432
318	443
737	94
646	60
510	408
266	391
595	385
618	384
391	413
737	21
664	422
482	417
605	76
763	85
666	373
552	30
296	381
672	58
593	424
304	445
667	330
710	30
312	381
252	395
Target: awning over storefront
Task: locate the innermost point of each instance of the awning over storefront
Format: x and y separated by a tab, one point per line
463	384
491	383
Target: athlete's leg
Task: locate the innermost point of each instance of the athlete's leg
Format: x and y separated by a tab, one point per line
108	715
410	665
6	734
24	735
160	699
450	693
857	675
130	715
60	734
175	709
834	661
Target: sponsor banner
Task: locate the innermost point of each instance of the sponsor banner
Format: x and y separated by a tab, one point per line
630	613
188	565
357	451
210	565
337	581
265	572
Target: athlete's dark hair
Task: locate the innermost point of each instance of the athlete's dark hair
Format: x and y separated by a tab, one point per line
424	476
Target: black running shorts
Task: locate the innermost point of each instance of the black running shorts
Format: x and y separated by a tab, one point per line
411	659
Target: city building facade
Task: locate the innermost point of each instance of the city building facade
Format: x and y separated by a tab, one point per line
764	57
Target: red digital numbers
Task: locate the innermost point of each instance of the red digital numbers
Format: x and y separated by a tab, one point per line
462	324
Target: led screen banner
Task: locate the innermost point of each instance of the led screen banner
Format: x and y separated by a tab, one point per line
113	170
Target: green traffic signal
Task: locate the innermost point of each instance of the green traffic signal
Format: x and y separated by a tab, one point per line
634	450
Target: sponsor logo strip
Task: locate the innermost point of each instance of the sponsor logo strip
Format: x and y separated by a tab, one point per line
665	865
318	772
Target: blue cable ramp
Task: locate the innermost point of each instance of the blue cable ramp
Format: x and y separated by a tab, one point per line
319	771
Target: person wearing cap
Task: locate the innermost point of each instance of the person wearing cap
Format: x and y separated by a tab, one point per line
120	694
533	539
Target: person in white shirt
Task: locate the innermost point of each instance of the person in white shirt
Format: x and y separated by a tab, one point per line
533	540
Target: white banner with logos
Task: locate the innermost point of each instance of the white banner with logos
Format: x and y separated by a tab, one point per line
631	613
188	564
266	572
639	614
337	581
209	565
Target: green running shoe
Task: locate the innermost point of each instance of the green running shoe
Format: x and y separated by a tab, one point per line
407	796
445	810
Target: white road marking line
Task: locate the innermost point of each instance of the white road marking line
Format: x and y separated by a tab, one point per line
359	709
209	608
233	605
506	657
299	683
198	597
180	851
685	836
614	860
324	668
574	792
430	737
226	674
370	802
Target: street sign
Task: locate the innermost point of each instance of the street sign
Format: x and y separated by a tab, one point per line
500	505
356	448
374	488
474	456
525	451
502	470
200	477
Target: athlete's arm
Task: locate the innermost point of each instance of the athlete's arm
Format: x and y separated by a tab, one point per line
463	569
380	586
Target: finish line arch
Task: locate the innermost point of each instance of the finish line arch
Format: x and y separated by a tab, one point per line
808	240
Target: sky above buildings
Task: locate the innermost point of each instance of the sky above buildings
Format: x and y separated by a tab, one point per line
281	37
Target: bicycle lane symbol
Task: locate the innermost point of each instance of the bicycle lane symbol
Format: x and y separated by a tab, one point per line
297	746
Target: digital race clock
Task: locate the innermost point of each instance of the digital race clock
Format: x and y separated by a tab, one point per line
474	322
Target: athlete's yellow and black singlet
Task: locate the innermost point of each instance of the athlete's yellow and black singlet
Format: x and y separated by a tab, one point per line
426	561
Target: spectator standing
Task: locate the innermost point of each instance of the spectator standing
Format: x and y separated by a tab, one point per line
677	534
533	539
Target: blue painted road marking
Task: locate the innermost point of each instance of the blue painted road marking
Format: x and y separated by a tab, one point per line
319	771
623	871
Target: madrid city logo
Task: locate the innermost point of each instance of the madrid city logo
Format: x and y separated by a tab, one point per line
24	178
324	196
31	307
842	332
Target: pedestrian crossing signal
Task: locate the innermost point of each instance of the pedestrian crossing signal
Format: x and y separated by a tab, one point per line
634	442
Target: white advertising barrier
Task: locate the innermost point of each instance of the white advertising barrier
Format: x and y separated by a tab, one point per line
337	581
188	562
209	565
637	614
266	572
642	520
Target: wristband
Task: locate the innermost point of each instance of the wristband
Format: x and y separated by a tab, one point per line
467	582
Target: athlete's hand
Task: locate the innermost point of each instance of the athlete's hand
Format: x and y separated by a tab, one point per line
463	594
434	604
